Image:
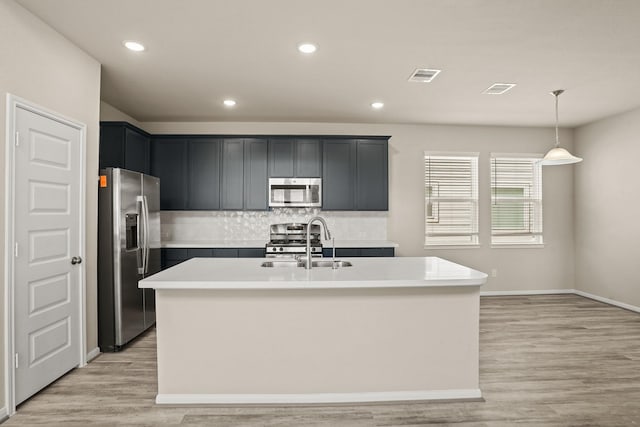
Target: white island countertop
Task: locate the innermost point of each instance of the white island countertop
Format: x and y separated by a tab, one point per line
246	273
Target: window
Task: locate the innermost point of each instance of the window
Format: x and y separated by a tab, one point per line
450	199
516	200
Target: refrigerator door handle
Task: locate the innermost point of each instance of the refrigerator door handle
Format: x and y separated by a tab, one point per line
141	234
145	253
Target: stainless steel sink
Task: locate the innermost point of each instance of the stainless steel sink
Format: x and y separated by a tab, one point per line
293	263
287	263
329	263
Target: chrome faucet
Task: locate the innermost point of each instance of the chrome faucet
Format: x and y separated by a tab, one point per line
327	236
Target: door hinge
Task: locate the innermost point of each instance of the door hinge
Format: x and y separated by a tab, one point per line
17	138
17	363
15	250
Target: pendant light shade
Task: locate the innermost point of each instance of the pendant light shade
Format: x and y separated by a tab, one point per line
558	155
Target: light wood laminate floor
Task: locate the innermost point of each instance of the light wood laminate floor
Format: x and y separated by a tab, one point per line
550	360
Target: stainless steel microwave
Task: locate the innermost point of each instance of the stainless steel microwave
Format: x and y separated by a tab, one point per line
295	192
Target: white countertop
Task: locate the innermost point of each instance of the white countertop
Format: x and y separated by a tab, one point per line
246	273
214	243
261	243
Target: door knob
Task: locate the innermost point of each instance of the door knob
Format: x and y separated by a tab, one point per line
76	260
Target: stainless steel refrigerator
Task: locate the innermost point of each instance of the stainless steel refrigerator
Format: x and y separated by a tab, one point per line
128	251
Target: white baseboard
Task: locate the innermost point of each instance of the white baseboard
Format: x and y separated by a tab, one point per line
93	354
4	415
535	292
562	291
315	398
607	301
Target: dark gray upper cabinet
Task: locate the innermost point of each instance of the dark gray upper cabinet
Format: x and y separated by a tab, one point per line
136	151
169	163
372	177
232	178
338	174
204	174
244	174
355	174
308	158
281	155
124	146
210	172
255	174
295	158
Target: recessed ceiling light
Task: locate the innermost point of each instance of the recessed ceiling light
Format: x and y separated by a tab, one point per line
307	48
377	105
229	102
134	46
498	88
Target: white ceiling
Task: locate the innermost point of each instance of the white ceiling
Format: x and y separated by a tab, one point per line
200	52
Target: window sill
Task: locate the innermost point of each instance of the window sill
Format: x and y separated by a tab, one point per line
474	246
517	246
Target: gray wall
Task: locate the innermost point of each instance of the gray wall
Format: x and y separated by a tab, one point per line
41	66
607	210
519	269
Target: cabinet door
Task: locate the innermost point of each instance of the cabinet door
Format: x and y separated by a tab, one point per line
255	174
169	163
136	151
199	253
372	176
225	252
308	158
232	178
338	174
377	252
111	146
204	174
251	252
172	256
281	156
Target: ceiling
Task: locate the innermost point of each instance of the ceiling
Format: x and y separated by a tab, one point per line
200	52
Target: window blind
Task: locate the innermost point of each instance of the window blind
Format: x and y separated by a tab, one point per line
451	199
516	200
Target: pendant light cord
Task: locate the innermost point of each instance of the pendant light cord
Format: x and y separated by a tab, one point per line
557	139
557	93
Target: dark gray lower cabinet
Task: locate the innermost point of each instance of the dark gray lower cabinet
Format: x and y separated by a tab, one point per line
251	252
359	252
173	256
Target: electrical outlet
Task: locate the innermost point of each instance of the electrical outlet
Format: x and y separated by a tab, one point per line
494	272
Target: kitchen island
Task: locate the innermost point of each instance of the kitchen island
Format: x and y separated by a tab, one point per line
384	329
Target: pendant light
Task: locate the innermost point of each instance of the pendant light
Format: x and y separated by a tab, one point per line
558	155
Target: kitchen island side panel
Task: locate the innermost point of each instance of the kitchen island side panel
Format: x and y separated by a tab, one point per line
299	342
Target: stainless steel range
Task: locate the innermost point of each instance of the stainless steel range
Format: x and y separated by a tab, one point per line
291	239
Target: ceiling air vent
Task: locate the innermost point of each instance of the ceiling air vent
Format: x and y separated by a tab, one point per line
498	88
423	75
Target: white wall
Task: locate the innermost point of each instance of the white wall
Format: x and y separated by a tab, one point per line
551	267
41	66
607	208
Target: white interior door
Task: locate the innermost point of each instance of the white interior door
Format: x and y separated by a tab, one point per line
47	277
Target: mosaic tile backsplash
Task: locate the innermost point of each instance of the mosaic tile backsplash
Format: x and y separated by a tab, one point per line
254	225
